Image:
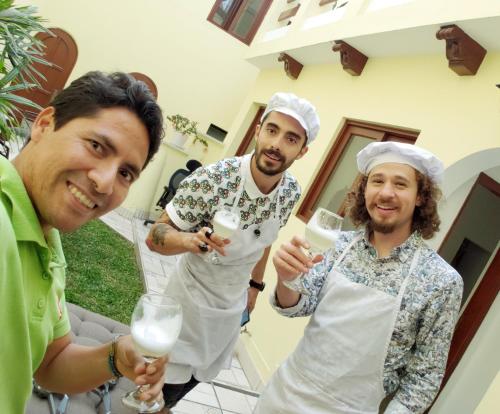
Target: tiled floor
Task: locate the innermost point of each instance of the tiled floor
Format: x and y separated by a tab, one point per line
205	398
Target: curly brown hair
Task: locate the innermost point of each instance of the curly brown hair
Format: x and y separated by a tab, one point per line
425	217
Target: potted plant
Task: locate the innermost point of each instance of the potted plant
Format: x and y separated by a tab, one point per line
201	139
183	128
19	52
199	146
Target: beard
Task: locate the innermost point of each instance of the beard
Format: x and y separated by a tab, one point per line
266	169
384	228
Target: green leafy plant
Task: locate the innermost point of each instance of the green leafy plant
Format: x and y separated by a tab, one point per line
183	125
20	50
201	139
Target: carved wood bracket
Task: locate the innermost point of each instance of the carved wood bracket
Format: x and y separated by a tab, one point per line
353	61
287	14
292	66
464	54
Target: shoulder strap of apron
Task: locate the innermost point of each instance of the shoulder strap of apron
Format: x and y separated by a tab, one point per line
399	299
346	250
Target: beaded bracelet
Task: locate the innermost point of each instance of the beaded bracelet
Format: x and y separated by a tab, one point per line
111	358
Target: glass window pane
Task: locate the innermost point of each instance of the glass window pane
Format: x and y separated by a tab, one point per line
246	19
343	177
223	12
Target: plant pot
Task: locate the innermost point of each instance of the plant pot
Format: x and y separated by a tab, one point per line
179	139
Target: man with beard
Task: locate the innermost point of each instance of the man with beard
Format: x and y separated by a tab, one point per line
383	304
212	275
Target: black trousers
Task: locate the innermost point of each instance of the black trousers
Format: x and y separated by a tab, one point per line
173	393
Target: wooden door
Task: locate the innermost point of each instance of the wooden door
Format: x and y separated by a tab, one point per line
148	81
61	51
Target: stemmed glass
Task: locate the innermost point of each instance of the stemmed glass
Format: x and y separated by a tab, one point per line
225	223
322	231
155	326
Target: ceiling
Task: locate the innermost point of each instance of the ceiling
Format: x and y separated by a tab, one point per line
405	42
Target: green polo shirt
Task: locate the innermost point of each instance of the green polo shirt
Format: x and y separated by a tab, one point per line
32	305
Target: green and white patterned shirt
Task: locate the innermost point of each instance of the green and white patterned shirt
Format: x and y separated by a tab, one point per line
208	188
418	351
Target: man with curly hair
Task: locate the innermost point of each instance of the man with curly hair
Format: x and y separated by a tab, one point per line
383	304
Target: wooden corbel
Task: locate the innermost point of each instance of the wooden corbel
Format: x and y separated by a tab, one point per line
353	61
464	54
288	14
292	66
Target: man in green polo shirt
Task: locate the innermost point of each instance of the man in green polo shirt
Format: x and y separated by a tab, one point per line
84	152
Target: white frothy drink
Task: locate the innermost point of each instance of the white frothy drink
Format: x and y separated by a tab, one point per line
321	239
225	224
156	338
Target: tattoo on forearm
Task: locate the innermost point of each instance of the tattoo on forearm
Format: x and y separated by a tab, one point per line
164	218
158	234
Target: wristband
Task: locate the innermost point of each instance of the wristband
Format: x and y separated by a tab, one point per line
259	286
112	358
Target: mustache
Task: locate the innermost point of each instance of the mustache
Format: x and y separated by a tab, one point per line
274	153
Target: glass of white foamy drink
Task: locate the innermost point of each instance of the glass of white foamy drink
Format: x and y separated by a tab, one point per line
225	224
322	231
155	326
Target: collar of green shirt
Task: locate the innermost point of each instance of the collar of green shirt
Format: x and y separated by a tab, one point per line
24	218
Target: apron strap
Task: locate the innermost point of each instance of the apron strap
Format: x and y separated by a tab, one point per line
346	250
399	299
414	262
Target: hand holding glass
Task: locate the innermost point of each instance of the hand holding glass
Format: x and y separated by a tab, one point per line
155	326
225	223
322	231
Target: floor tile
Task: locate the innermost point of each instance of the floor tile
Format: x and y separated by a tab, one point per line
235	363
232	401
226	375
241	378
203	394
188	407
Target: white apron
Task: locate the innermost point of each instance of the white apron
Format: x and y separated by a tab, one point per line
213	297
338	365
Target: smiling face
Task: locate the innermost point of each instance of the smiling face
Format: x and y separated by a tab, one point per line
280	141
391	197
85	168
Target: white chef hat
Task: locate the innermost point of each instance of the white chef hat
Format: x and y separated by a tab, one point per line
422	160
298	108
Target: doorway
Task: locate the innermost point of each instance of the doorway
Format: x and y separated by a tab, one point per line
471	246
62	52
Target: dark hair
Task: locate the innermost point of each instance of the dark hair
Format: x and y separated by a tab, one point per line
425	217
94	91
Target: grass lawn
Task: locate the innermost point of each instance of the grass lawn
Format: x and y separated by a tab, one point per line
102	274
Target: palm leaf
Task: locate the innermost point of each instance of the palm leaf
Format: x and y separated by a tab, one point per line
20	51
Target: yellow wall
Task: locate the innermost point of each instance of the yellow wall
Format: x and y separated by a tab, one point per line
456	116
198	68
